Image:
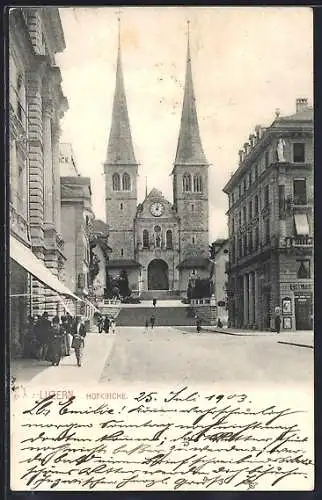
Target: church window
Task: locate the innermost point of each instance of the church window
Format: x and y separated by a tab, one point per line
122	252
169	239
157	236
126	182
145	238
197	183
304	271
186	182
116	182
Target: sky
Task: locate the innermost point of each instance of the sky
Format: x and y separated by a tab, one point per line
246	63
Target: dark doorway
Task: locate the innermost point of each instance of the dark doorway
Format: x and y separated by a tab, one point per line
303	311
158	275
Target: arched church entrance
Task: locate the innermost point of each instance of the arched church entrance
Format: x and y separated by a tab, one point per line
158	275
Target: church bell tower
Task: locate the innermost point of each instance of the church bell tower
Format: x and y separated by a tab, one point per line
121	172
190	176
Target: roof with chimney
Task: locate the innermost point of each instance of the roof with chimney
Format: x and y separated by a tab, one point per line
303	115
189	149
120	149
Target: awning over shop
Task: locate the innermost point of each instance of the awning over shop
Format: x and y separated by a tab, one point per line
70	308
25	258
301	224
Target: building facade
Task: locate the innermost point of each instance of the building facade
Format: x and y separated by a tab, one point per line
36	106
154	241
99	259
221	278
77	217
270	220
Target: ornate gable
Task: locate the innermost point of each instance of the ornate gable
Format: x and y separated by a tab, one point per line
156	207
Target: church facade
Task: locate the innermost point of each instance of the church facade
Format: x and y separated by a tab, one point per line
161	244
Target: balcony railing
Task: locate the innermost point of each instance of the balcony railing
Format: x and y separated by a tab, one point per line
299	241
17	108
152	246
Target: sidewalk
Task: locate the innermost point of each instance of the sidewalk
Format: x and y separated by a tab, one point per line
299	338
97	349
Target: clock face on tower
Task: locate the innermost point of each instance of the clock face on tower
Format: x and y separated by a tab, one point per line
157	209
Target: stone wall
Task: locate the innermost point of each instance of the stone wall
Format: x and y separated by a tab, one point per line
206	309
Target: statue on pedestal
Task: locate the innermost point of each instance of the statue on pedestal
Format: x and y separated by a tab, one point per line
281	150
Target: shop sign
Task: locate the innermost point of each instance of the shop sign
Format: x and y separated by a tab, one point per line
300	286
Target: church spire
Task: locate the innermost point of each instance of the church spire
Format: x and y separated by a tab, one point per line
189	150
120	147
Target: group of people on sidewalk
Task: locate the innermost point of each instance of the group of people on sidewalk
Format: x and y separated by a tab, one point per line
51	340
106	323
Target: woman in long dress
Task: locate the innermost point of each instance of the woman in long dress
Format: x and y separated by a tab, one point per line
55	343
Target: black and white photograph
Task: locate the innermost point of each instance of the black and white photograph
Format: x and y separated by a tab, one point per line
161	164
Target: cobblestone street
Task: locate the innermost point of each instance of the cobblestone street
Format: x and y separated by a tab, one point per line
179	355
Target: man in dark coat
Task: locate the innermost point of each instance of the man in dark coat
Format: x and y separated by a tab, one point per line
198	324
277	323
107	324
79	327
44	332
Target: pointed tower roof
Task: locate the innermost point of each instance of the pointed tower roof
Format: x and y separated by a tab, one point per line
120	147
189	150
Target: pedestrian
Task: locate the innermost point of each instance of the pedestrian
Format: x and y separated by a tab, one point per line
44	333
100	324
29	344
113	325
37	335
78	345
107	324
277	323
198	324
219	323
152	321
66	337
55	343
154	302
146	325
79	327
69	322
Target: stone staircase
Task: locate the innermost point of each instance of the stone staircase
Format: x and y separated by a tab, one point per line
164	316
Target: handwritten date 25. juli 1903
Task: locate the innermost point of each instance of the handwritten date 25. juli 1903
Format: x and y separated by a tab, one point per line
176	440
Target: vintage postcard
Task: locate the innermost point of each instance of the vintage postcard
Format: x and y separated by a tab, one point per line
161	248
